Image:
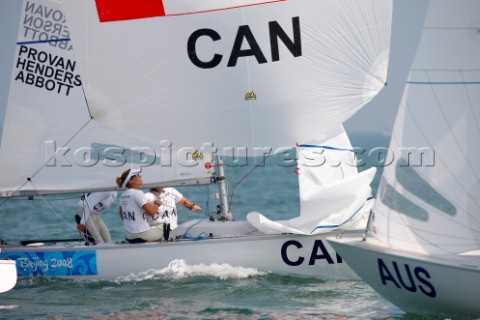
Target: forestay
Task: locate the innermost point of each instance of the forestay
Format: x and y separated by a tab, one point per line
246	73
429	197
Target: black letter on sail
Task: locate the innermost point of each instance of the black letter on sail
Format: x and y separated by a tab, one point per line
192	53
244	32
276	32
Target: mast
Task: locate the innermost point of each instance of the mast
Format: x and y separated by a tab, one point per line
222	188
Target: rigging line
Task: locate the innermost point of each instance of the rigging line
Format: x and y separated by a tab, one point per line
246	175
174	199
55	153
186	235
395	183
467	160
403	217
86	103
58	40
404	222
84	234
249	80
420	129
469	99
475	120
84	95
73	136
48	160
53	210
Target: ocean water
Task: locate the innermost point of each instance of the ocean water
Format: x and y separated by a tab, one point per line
183	291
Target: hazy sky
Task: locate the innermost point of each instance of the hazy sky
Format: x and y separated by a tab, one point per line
377	116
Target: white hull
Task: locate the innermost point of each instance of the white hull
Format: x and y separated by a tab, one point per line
239	245
8	275
433	285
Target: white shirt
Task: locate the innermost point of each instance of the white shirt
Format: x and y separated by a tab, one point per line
134	217
167	212
96	202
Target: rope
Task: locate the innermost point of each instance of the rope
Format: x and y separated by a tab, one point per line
234	186
53	210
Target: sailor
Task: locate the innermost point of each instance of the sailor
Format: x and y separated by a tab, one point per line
88	216
135	208
166	216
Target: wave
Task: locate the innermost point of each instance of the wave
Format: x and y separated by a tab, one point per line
179	269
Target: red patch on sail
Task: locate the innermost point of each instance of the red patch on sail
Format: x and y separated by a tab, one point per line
117	10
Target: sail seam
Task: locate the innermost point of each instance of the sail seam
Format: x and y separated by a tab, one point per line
342	223
324	147
43	41
446	82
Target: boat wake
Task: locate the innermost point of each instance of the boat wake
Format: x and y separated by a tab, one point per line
9	307
179	269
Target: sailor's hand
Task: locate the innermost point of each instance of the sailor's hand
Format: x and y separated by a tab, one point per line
158	202
195	207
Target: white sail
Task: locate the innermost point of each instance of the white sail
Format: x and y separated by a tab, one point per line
160	88
263	74
429	197
333	195
423	252
49	143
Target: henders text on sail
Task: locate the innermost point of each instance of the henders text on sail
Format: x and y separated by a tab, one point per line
38	62
45	70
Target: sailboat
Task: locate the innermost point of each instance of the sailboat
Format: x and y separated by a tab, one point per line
172	87
422	251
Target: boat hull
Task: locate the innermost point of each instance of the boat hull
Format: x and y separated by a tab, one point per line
286	254
440	286
8	275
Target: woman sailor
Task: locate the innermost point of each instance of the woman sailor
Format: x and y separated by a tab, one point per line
88	217
135	208
166	217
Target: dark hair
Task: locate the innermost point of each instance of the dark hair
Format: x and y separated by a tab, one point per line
120	180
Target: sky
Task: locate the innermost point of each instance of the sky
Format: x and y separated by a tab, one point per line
376	117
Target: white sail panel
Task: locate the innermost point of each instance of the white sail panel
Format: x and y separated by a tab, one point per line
131	9
429	197
333	195
173	7
271	75
49	143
